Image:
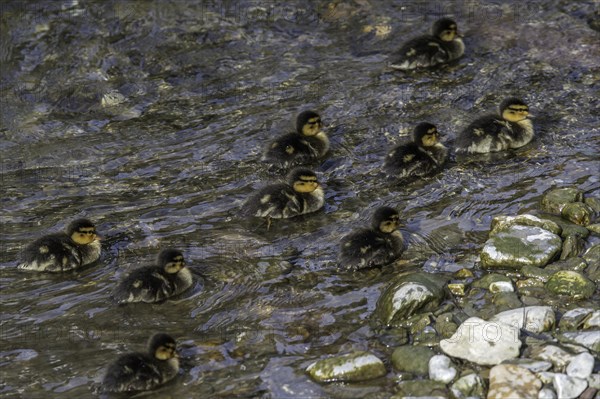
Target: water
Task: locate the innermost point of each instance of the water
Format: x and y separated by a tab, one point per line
149	118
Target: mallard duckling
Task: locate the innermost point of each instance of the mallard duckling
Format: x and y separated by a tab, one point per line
143	371
78	246
424	155
443	46
302	194
153	284
377	246
306	145
491	133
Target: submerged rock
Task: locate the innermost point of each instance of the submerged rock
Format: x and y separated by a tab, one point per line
535	319
421	389
441	369
412	359
513	382
576	264
578	213
408	294
567	227
520	246
489	279
500	223
554	200
357	366
469	386
483	342
568	387
571	283
572	247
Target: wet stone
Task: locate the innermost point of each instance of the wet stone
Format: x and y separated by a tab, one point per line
357	366
445	326
594	228
463	274
409	294
574	318
578	213
581	366
482	342
571	283
535	366
490	278
412	359
421	389
469	386
575	264
568	387
588	338
507	300
557	356
593	321
593	203
546	393
592	255
572	246
457	289
394	337
441	369
536	272
500	223
512	382
554	200
528	283
501	286
567	227
520	246
534	319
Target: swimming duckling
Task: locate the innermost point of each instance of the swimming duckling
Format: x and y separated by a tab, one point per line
302	194
491	133
424	155
152	284
306	145
143	371
77	246
377	246
443	46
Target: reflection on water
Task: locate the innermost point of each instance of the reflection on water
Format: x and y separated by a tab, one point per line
149	118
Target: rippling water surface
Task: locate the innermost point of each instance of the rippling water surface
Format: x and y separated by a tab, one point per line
148	117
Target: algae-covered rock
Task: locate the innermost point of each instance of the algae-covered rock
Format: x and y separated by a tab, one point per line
572	247
421	389
500	223
592	255
520	246
588	338
593	203
578	213
469	386
574	318
357	366
409	294
568	228
483	342
485	281
554	200
535	319
576	264
594	228
457	289
506	300
536	272
593	321
412	359
571	283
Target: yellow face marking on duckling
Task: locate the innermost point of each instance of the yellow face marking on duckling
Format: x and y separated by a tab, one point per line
44	249
312	126
84	235
431	138
408	157
306	184
175	265
515	113
165	352
449	34
389	225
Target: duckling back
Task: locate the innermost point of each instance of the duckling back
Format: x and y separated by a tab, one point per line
151	284
58	253
138	372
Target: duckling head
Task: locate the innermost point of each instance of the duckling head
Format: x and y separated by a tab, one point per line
426	135
445	29
514	110
385	219
303	180
82	231
162	346
308	123
171	260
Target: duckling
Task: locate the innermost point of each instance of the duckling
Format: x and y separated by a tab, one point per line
302	194
153	284
377	246
491	133
424	155
143	371
306	145
443	46
78	246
